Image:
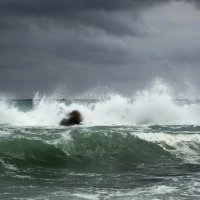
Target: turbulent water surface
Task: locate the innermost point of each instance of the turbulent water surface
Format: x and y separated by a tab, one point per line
142	148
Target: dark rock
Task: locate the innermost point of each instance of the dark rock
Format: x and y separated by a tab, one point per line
74	117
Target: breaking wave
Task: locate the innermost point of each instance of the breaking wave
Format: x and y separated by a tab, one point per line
153	106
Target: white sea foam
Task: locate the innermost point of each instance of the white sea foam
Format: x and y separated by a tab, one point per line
8	166
144	193
153	106
184	146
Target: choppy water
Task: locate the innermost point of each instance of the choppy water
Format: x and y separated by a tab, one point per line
144	148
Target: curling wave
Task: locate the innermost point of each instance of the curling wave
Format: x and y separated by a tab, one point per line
98	148
89	150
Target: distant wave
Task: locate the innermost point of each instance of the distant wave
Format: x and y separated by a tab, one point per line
153	106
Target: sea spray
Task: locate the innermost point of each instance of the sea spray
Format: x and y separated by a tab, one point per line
155	105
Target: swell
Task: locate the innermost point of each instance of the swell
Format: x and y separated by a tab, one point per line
99	147
83	151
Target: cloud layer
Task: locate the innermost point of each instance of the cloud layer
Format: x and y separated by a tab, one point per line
122	44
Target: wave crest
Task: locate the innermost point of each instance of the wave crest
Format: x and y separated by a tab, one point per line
153	106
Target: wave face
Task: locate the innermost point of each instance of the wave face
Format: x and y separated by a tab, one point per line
99	148
153	106
90	149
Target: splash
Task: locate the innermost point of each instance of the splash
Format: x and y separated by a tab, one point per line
155	105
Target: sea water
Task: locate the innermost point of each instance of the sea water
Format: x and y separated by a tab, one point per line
143	147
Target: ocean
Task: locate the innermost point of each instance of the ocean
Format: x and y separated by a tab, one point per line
141	148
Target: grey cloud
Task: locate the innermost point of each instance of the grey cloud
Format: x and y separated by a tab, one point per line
70	7
81	43
51	7
111	16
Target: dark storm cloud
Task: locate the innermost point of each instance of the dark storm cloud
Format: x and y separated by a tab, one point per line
50	7
111	16
70	7
81	43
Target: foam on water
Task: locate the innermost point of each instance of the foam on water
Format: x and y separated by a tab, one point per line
184	146
153	106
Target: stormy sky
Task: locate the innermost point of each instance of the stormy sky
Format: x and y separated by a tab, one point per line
83	44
